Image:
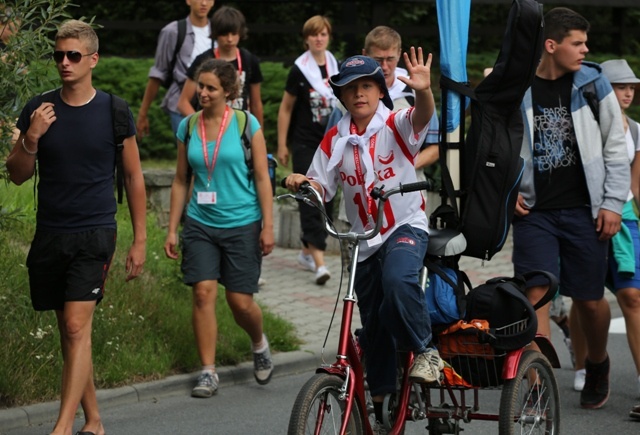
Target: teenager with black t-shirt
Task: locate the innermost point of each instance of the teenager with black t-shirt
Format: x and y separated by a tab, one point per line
575	183
196	40
228	27
304	111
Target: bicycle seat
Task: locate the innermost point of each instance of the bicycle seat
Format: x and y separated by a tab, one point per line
445	242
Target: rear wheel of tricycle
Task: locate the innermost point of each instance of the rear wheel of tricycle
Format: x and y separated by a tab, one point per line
529	402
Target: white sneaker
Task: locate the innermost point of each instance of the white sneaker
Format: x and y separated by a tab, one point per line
322	275
427	367
578	380
307	262
261	281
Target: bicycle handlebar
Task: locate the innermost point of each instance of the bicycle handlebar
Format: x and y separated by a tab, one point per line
306	190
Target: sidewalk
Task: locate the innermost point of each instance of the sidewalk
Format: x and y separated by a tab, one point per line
289	292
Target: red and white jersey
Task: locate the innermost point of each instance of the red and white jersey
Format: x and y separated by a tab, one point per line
393	150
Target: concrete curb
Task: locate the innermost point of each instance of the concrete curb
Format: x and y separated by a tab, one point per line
287	363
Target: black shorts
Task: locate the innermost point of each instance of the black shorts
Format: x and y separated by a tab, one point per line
230	255
69	267
563	242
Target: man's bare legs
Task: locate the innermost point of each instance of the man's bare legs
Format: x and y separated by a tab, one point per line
594	318
74	324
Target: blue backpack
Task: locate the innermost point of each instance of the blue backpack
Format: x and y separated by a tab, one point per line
446	293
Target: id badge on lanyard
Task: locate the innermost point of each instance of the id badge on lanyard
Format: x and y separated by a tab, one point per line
210	197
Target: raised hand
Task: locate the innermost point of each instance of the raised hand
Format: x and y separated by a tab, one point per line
419	71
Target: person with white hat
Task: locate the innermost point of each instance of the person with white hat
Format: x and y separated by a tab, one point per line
624	261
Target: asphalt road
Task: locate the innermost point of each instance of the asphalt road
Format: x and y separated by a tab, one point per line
252	409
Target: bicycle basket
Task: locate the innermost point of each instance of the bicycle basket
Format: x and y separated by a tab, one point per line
468	349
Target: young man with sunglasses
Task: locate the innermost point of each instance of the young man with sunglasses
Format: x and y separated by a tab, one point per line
72	139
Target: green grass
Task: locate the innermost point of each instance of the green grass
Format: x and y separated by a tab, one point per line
142	329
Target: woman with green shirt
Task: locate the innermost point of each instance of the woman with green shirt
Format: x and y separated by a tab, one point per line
228	225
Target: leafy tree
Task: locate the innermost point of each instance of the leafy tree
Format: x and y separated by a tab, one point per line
23	70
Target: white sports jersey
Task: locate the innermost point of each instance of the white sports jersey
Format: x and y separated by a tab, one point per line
394	149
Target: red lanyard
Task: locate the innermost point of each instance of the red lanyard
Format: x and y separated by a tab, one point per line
366	190
216	53
205	150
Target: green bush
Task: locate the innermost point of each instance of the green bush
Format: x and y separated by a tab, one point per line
128	77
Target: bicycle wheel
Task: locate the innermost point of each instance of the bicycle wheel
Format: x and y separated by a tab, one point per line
318	410
529	403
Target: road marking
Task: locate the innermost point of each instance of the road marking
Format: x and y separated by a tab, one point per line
617	326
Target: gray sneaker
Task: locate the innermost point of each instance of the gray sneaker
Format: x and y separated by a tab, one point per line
263	365
427	367
206	386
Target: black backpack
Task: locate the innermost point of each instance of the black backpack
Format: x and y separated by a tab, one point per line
502	302
120	119
490	164
245	140
182	32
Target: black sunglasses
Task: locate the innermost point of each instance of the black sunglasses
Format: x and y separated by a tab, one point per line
73	56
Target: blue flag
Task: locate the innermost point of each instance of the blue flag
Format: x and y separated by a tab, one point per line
453	24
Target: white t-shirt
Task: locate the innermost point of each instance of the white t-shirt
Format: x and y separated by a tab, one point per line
395	149
632	149
202	42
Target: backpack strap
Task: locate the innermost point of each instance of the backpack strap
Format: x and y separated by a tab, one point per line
553	286
506	339
245	140
120	119
590	94
182	32
458	288
48	96
520	282
45	97
633	127
450	195
243	117
191	125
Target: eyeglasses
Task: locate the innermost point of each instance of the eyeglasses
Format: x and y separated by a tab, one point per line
390	59
73	56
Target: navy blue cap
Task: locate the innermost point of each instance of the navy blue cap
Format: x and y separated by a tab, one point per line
355	68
